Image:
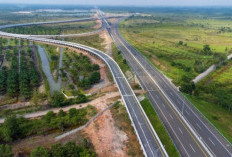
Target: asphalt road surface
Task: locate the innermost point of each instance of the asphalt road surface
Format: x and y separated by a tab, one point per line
148	138
191	133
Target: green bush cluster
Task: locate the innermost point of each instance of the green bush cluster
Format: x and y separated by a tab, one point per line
58	99
81	67
16	128
187	86
87	82
6	150
215	93
3	42
58	150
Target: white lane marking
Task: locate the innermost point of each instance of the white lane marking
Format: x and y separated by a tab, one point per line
165	95
127	95
180	130
157	96
171	127
187	112
211	141
163	114
156	103
191	110
119	80
198	125
141	127
163	105
192	148
178	96
151	90
170	115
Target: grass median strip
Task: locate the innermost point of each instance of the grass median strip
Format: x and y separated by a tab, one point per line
159	128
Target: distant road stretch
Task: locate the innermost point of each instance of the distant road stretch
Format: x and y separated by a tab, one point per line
63	21
191	133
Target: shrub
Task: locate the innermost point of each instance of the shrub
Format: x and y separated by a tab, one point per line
95	77
58	99
40	152
10	130
5	150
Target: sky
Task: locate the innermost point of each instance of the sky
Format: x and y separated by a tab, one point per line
128	2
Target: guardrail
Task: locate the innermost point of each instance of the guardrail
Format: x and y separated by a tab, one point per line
106	59
54	22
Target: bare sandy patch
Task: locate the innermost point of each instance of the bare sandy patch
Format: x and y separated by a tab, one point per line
107	139
29	143
107	43
99	23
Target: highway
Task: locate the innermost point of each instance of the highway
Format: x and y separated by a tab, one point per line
64	21
149	141
54	22
190	131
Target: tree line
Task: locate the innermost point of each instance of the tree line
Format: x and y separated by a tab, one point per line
56	150
15	128
15	83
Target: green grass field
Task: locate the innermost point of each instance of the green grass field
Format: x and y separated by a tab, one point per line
159	40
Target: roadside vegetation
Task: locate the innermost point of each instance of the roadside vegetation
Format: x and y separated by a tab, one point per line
53	29
56	150
159	128
212	96
118	57
93	41
176	46
182	47
82	74
18	128
59	150
123	122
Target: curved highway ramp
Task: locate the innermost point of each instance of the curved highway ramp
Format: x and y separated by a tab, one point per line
147	136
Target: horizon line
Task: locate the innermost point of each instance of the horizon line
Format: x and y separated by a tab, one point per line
116	5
